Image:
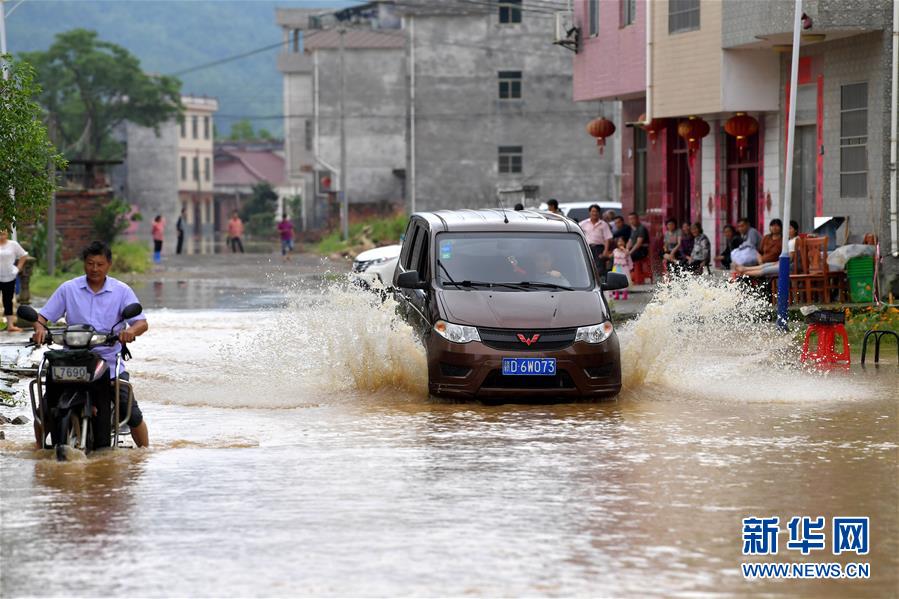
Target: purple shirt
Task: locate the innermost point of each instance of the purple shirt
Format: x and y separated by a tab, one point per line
80	305
286	229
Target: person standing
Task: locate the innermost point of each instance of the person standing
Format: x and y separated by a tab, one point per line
158	236
180	228
598	235
622	263
285	229
235	232
12	260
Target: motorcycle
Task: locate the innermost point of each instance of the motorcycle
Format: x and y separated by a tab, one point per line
73	397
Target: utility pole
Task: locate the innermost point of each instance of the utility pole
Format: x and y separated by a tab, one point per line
344	200
410	99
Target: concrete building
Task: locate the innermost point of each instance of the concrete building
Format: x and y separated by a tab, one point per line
448	105
713	61
196	181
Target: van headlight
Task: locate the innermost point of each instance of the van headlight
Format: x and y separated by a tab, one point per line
456	333
596	333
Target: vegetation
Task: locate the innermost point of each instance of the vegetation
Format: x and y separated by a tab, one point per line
27	157
259	211
871	318
113	219
364	235
130	257
91	86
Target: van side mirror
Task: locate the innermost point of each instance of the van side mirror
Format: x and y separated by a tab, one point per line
27	313
132	310
614	281
410	280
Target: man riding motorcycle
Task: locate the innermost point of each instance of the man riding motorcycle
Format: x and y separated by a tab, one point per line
97	299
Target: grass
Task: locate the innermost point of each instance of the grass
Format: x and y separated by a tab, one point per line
127	257
379	231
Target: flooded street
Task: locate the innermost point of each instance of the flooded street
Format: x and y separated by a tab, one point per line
295	452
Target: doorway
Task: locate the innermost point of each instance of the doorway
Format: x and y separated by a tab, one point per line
802	201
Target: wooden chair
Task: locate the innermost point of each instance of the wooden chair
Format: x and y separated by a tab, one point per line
813	277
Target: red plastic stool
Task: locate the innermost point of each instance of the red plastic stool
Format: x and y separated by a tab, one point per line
642	271
827	327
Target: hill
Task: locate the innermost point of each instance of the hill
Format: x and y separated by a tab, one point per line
169	37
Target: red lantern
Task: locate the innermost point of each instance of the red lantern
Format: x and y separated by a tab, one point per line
693	130
741	126
653	127
601	128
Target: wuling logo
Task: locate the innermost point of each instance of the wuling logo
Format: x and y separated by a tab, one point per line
527	341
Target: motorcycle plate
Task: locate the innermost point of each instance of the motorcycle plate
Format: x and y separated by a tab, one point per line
70	373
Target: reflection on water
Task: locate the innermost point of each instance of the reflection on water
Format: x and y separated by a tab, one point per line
296	453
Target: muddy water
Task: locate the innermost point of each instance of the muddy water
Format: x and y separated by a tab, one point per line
295	452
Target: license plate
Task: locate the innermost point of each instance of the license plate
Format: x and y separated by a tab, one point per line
529	366
70	373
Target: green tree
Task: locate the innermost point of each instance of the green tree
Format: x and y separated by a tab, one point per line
242	130
91	86
28	160
259	211
264	134
112	220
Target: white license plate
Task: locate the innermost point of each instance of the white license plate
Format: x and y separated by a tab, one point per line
70	373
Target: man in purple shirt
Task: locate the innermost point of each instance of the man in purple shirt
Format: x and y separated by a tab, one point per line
98	300
285	228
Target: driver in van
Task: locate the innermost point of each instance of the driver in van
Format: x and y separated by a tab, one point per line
546	273
98	300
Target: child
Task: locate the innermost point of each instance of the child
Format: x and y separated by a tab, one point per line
622	263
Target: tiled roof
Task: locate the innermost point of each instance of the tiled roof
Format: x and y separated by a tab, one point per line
241	168
330	39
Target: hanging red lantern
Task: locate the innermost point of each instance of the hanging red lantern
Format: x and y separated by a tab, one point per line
692	131
653	127
741	126
601	128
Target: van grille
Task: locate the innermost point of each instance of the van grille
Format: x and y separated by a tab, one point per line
507	339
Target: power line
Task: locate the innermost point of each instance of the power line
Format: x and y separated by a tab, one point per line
215	63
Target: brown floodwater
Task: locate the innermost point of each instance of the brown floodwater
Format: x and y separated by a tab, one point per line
295	452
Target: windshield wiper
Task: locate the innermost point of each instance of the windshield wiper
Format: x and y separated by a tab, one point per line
527	284
440	265
474	284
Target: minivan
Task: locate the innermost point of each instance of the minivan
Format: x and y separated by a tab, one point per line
508	304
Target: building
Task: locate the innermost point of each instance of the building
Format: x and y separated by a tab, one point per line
446	105
240	166
721	62
195	173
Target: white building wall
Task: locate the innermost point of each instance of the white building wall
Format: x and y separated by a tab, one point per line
706	185
772	157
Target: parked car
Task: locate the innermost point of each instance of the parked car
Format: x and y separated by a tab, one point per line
508	304
375	267
578	211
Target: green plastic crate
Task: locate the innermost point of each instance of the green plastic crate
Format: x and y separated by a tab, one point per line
860	276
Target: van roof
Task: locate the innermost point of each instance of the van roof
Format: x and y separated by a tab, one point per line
494	220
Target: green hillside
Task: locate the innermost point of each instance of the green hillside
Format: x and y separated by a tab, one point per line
172	36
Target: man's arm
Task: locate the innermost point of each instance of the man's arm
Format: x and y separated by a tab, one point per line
132	332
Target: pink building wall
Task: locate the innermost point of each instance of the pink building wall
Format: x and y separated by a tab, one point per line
612	64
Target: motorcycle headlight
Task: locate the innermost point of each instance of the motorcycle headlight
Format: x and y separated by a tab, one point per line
596	333
78	339
456	333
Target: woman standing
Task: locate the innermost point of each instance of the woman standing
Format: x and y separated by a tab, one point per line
158	236
12	259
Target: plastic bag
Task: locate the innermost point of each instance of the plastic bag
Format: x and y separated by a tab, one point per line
837	259
745	255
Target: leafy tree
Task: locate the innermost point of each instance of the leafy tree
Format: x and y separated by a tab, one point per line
91	86
264	134
27	157
259	211
242	130
112	220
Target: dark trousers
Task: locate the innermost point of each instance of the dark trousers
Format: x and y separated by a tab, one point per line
598	258
8	291
180	242
236	245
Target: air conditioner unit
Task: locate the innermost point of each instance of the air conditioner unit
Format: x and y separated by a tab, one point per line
565	32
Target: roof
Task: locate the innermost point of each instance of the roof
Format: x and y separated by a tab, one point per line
495	220
353	39
247	168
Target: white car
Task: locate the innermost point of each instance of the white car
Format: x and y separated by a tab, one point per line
375	267
578	211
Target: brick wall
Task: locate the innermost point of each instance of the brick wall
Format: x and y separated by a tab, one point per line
75	213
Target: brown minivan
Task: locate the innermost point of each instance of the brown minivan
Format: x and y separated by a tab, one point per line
508	304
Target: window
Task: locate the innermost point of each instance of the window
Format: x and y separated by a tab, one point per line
296	40
628	12
194	126
510	11
205	127
308	135
183	168
683	15
509	85
409	240
854	140
206	169
183	128
510	159
196	169
639	170
593	16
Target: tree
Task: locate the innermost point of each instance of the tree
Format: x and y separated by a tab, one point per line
28	160
91	86
264	134
259	211
242	130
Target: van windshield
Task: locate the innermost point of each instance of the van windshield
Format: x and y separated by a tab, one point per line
513	261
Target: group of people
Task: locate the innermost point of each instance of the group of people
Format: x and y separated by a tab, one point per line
749	253
687	248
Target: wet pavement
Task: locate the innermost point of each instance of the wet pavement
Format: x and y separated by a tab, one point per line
295	452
